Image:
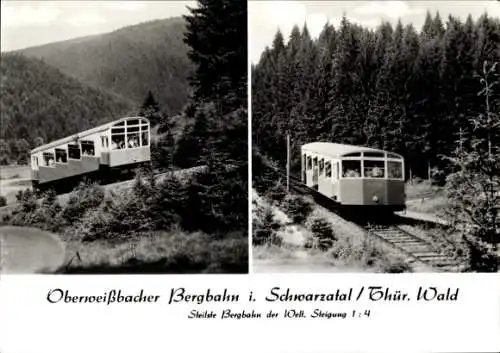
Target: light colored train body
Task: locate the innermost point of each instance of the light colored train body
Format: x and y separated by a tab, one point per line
99	152
353	175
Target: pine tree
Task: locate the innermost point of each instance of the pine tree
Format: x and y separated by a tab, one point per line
216	33
151	110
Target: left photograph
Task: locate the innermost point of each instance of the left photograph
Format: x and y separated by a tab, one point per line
124	141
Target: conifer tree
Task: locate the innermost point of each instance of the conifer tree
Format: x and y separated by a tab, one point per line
216	30
151	110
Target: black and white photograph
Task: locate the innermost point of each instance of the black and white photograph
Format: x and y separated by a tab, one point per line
375	136
124	137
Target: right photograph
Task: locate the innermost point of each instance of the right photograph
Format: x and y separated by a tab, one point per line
375	136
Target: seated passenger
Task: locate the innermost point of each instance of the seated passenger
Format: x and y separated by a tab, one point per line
114	145
351	173
132	143
50	162
377	172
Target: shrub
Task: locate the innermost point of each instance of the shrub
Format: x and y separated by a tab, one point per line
276	193
3	201
265	228
119	216
83	198
323	232
297	207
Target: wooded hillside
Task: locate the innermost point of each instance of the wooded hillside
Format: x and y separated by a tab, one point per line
130	61
39	104
394	88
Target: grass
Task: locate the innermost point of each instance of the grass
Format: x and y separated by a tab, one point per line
351	252
423	197
158	252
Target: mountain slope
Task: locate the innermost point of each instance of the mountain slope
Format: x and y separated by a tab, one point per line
38	100
129	61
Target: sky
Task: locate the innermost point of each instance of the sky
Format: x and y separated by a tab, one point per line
30	23
265	17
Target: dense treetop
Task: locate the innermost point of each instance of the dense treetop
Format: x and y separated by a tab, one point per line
393	87
39	101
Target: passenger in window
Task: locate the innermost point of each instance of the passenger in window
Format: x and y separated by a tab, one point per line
377	172
351	173
50	162
132	142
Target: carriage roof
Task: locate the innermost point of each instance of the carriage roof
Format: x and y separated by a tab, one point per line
337	150
79	135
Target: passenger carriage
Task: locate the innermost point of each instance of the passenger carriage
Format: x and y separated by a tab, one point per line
105	153
355	176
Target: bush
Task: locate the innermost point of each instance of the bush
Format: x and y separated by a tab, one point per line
3	201
297	207
83	198
323	232
276	193
119	216
265	228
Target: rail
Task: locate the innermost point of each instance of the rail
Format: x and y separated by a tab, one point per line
387	230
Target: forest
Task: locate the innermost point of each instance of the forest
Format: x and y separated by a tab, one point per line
39	104
58	89
397	88
129	61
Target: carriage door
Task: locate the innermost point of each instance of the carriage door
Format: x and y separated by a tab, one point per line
315	173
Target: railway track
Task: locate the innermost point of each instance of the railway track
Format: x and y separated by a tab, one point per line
414	247
387	230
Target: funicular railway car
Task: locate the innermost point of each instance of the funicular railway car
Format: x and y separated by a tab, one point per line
355	176
105	153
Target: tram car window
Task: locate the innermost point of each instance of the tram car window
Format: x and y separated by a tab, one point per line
117	138
315	161
321	166
351	169
374	169
133	137
48	159
74	151
328	169
394	170
309	162
61	156
88	148
373	154
144	138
